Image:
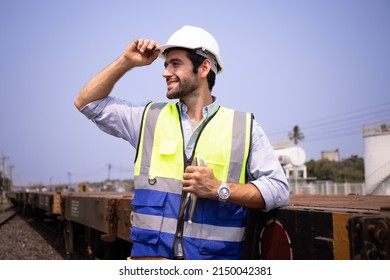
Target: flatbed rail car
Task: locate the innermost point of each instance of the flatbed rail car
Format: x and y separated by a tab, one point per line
106	218
99	222
311	227
322	227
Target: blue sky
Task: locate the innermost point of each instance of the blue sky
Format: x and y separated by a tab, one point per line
321	65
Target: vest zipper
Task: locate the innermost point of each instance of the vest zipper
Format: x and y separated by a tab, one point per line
183	205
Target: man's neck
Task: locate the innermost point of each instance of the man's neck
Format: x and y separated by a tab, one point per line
195	106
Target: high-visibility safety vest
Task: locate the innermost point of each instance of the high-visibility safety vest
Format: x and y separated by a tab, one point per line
218	228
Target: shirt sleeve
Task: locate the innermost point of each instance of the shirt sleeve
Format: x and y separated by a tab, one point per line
116	117
266	171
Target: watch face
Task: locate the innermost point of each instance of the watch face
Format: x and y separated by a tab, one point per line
224	192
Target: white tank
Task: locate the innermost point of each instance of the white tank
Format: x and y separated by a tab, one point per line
294	155
376	156
376	152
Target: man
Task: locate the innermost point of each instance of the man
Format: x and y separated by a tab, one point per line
199	166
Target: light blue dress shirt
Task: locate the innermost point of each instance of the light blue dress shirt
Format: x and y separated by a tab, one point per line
122	119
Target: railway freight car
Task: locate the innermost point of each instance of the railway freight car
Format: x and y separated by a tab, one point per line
322	227
312	227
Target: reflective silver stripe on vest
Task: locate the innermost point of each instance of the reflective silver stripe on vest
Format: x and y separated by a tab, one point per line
147	147
238	147
210	232
162	184
151	222
195	230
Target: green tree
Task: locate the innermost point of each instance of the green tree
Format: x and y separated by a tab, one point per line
324	169
296	135
384	127
348	170
353	169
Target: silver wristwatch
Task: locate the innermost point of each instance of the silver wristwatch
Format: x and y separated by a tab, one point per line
223	192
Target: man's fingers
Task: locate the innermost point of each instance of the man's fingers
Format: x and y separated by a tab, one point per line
146	45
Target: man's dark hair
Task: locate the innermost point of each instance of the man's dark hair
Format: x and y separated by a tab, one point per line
196	60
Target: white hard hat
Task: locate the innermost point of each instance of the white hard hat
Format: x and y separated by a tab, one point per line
198	39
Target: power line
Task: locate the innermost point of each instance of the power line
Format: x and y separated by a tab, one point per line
361	118
330	120
331	126
331	136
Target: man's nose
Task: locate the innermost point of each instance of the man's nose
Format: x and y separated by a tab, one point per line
166	73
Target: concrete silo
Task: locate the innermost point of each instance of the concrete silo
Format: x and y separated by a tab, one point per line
377	158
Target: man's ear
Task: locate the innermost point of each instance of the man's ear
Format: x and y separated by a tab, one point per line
205	68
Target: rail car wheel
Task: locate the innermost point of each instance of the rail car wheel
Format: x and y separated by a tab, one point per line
275	242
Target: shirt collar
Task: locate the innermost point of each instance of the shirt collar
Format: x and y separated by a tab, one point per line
207	111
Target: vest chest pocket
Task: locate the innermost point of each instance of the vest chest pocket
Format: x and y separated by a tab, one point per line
168	147
167	160
148	215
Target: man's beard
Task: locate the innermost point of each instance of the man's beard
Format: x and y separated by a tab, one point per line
184	87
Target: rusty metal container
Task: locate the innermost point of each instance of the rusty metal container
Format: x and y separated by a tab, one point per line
47	201
109	213
124	213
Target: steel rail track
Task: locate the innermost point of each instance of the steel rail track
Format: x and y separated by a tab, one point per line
6	215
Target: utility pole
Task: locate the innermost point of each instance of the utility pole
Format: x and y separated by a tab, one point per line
10	174
69	175
109	170
4	188
3	159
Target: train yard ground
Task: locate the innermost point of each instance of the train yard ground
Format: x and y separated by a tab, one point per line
25	238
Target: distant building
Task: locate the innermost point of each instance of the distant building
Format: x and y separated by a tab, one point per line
331	155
